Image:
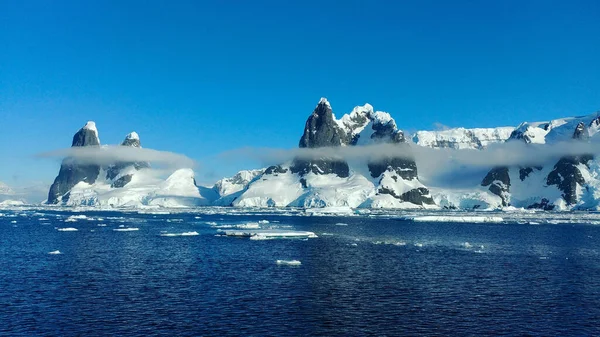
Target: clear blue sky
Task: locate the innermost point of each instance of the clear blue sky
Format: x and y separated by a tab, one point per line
200	78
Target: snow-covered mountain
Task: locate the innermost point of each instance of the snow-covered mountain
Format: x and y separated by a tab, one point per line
387	181
570	183
461	138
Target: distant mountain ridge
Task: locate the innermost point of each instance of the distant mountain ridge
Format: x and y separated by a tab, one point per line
385	182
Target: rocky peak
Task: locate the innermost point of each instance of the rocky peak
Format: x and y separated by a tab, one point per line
72	172
132	139
117	170
581	132
385	129
86	136
322	130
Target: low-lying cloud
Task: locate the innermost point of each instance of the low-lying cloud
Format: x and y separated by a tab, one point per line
435	166
106	155
508	154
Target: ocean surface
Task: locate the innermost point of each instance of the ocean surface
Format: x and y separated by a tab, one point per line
135	274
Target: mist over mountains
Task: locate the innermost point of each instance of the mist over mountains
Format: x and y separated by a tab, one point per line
362	159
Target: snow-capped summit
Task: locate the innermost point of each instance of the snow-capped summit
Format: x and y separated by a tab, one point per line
132	139
71	172
87	136
90	125
121	173
324	101
132	135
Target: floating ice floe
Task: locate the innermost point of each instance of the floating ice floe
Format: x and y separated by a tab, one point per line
288	262
74	218
127	229
180	234
67	229
55	252
264	234
329	210
250	225
470	219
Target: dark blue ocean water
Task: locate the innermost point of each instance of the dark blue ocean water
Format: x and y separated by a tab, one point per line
371	276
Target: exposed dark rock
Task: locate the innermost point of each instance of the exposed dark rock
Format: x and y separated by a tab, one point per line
71	171
524	172
396	167
566	176
321	130
543	204
404	168
275	169
303	183
321	166
581	132
114	170
417	196
124	180
498	181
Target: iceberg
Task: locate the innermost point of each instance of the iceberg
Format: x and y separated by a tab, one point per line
288	262
263	234
445	218
67	229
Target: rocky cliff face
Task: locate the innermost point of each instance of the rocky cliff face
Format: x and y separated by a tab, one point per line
393	170
71	171
121	173
566	174
396	176
322	130
498	181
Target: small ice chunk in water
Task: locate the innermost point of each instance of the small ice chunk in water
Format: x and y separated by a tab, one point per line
341	224
467	245
126	229
288	262
67	229
250	225
263	221
180	234
74	218
55	252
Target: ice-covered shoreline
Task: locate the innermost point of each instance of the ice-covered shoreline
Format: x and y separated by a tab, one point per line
508	216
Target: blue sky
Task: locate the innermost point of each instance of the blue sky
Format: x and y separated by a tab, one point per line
200	78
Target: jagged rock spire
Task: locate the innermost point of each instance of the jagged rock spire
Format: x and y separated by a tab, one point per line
71	172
